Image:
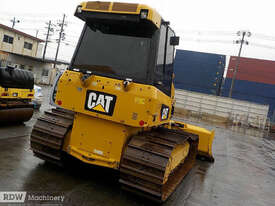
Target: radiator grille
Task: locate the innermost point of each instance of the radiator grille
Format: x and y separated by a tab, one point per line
103	6
125	7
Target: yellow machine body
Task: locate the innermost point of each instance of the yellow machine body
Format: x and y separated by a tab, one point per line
11	93
116	111
99	139
15	105
121	8
137	102
206	138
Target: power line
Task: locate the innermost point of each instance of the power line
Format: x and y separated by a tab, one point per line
34	14
32	29
206	32
52	47
220	41
223	33
68	44
31	19
264	36
200	40
261	45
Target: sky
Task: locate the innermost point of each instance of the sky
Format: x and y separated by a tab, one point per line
203	25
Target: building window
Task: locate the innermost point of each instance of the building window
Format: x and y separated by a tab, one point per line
45	72
8	39
27	45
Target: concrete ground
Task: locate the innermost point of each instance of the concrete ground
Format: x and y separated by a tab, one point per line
243	173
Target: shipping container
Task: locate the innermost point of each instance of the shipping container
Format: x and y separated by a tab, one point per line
253	92
254	70
255	82
251	88
198	71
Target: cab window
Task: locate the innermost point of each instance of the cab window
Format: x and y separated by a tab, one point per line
165	60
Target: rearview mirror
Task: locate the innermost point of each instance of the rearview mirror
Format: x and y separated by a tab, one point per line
174	40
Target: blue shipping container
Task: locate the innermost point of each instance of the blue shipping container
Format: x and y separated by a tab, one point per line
198	71
252	92
251	88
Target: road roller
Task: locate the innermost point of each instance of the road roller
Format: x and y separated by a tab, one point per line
114	104
16	94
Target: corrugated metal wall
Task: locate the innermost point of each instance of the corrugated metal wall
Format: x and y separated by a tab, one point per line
236	110
199	72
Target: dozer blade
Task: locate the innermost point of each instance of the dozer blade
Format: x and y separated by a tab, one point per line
206	138
154	163
15	115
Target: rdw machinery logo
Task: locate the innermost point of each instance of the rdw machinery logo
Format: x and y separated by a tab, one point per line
100	102
12	197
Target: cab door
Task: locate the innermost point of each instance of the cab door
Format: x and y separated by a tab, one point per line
165	60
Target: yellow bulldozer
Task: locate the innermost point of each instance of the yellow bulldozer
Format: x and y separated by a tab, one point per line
114	104
16	94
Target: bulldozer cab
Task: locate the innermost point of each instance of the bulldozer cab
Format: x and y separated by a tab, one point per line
126	46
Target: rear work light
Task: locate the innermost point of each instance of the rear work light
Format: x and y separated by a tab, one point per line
79	9
143	13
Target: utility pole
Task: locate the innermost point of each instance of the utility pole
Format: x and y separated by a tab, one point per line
36	33
241	42
14	21
50	29
61	36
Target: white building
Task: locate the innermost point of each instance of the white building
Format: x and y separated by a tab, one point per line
24	51
14	41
